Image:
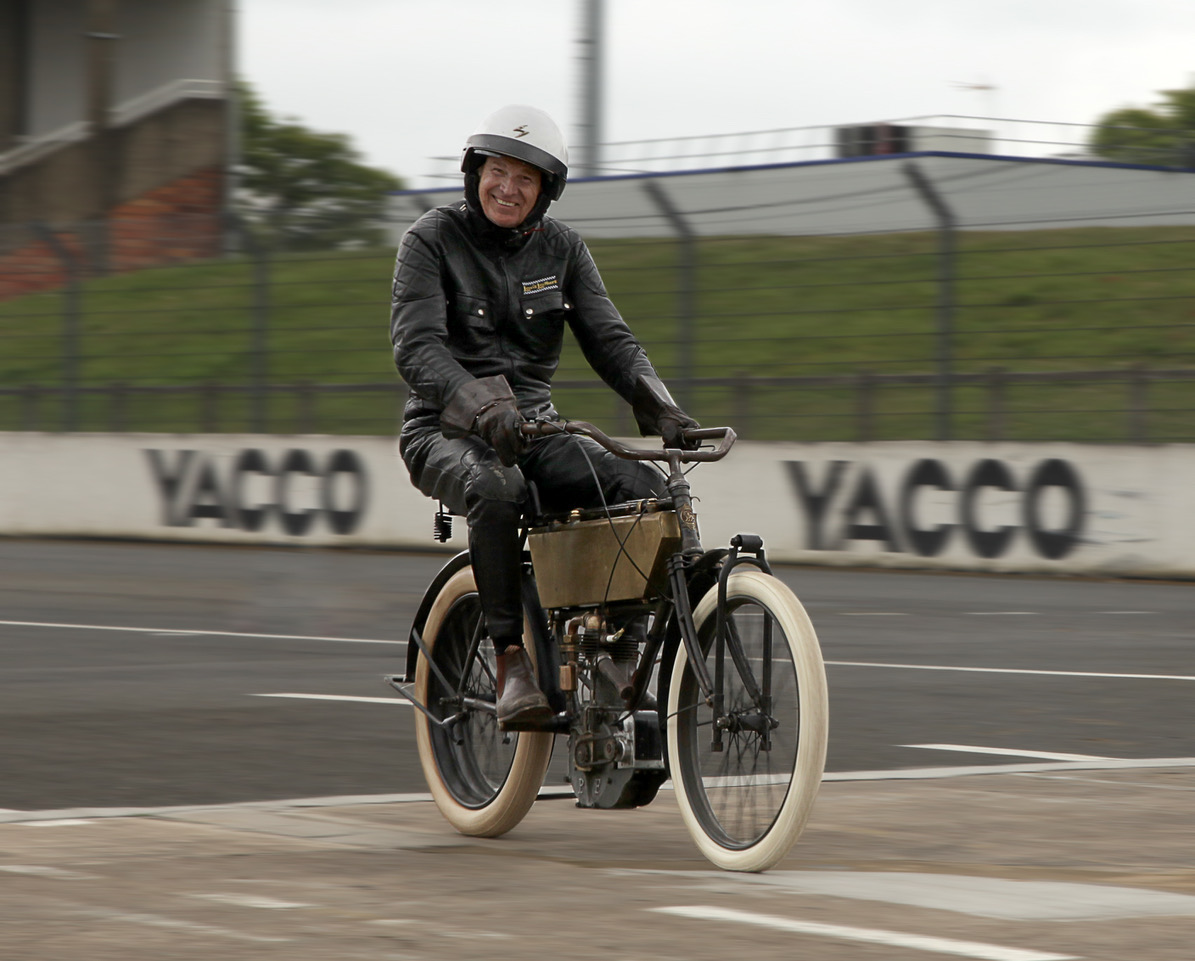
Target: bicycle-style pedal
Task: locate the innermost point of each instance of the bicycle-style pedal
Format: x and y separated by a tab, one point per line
551	723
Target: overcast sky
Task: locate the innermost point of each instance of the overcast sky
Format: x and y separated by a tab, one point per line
408	80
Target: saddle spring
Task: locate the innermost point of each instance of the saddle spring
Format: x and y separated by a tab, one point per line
442	528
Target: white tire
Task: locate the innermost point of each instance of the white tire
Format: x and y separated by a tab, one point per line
745	806
483	780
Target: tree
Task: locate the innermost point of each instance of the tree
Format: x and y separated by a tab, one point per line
1163	136
303	190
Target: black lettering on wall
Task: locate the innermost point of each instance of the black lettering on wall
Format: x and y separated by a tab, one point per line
191	487
208	499
925	541
296	461
866	514
344	520
866	500
1059	543
814	502
169	482
987	473
250	461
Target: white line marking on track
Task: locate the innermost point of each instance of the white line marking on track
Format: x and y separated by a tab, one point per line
1039	767
1002	613
343	697
170	632
252	901
1009	752
159	921
1013	670
61	822
895	939
1002	899
45	871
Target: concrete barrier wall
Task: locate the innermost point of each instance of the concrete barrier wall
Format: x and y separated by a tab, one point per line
1064	508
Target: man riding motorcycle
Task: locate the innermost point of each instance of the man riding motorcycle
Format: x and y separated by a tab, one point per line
482	292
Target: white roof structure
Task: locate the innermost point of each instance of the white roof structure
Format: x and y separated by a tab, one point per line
861	195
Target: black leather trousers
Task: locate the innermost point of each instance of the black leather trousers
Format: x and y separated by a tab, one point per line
568	472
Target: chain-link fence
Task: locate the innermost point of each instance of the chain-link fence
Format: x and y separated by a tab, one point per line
938	330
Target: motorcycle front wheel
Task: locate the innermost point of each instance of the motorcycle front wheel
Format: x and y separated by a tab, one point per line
746	777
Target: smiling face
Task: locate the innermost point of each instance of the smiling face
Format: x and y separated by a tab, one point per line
509	189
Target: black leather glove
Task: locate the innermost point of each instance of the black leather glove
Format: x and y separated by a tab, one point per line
498	425
656	413
487	406
672	423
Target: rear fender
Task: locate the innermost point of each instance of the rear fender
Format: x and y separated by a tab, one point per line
458	562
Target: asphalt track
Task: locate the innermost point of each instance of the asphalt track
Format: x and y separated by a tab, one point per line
158	701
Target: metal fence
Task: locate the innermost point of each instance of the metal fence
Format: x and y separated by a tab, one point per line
1084	333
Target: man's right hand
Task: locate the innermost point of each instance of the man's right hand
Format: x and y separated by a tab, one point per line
487	406
498	424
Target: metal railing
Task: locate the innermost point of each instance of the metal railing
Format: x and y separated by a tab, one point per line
1081	333
998	402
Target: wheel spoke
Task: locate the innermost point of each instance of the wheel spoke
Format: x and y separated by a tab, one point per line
741	803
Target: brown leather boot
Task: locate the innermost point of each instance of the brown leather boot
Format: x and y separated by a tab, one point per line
521	704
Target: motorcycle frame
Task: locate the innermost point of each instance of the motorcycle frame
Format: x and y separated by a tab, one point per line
673	609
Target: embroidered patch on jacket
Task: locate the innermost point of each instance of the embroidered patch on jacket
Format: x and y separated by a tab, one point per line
539	286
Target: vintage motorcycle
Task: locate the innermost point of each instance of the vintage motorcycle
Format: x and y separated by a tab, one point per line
620	600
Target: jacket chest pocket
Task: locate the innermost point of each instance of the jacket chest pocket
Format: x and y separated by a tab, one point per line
537	305
472	323
541	321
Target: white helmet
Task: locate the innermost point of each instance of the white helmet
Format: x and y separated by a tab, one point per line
527	134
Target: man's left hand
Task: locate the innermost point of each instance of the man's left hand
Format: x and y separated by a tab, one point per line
672	424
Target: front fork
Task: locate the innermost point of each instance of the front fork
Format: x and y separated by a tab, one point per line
726	638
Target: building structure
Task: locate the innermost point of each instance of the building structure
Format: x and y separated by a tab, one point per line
116	133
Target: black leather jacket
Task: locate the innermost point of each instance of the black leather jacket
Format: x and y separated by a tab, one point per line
471	300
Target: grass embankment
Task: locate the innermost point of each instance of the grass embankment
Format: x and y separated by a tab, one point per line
1095	298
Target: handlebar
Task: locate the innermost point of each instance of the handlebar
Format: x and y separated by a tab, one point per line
544	428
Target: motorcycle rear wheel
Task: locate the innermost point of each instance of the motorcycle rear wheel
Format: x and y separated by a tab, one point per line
483	780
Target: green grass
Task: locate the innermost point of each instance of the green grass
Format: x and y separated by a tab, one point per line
1082	299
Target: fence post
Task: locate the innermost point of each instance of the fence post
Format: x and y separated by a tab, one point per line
209	416
259	345
259	351
945	311
1138	405
116	407
306	407
996	385
865	407
741	403
30	396
687	290
70	326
